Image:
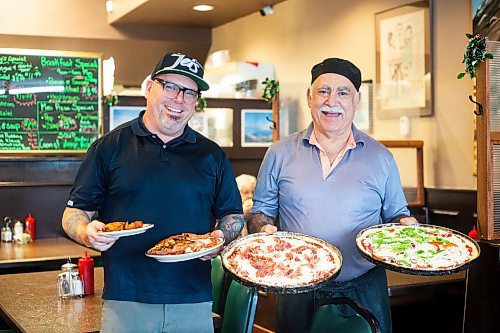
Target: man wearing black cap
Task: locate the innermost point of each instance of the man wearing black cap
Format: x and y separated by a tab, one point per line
158	170
331	181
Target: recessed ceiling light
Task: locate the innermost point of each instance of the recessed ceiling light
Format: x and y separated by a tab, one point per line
109	6
203	8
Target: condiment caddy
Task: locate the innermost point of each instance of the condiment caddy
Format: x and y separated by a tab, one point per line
76	280
69	283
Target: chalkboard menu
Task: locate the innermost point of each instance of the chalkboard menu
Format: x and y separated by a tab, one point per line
49	101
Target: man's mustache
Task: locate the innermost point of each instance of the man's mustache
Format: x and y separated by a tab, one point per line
332	109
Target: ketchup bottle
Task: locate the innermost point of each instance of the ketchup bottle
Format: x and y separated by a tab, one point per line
30	226
86	270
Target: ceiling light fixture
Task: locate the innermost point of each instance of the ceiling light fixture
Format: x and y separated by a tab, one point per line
109	6
266	10
203	8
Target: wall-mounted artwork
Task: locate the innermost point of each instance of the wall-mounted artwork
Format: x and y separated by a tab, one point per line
363	119
404	61
486	18
256	128
121	114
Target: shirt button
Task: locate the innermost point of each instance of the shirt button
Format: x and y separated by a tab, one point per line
154	136
164	146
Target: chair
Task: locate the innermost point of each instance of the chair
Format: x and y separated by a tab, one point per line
239	309
218	281
327	318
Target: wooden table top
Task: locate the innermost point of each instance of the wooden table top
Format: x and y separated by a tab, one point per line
30	304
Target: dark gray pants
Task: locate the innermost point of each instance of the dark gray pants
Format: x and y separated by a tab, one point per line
294	312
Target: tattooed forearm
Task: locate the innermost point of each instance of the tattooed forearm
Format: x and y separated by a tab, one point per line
74	222
256	221
231	226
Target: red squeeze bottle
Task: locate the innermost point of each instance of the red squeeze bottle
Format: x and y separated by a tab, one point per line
86	270
473	233
30	227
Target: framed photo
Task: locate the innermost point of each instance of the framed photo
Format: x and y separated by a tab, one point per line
121	114
256	128
404	61
199	122
485	19
363	119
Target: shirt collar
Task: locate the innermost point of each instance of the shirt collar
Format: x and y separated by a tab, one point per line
139	129
357	134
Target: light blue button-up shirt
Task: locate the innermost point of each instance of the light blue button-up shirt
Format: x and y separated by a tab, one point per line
363	190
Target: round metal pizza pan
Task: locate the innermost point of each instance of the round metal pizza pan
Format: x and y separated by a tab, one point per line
280	289
421	272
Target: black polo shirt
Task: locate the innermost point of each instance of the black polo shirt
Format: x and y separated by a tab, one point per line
130	174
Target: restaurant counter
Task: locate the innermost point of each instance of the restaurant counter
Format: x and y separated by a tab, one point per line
29	302
42	254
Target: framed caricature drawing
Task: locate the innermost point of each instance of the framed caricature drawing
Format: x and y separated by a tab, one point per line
404	61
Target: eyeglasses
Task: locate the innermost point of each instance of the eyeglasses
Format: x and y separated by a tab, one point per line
172	90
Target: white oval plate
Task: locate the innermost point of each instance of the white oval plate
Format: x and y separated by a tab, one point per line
184	256
123	233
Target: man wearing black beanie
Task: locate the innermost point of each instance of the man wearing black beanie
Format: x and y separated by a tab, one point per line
331	181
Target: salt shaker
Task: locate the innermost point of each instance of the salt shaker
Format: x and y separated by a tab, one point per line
18	228
77	284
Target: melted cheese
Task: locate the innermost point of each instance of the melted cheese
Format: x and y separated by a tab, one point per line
290	269
425	248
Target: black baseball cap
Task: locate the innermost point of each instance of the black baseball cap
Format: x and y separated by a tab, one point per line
182	64
337	66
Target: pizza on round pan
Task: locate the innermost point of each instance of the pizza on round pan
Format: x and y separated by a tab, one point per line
282	260
426	248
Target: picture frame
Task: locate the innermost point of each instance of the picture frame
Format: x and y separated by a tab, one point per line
256	127
363	118
404	75
199	123
119	114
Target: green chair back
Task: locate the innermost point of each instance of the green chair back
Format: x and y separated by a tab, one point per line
327	318
218	278
239	309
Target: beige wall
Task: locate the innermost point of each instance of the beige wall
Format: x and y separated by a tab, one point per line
81	25
301	33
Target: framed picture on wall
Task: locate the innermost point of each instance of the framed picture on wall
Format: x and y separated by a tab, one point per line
121	114
404	84
256	128
363	119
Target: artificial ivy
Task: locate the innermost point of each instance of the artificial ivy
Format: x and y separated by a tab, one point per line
201	104
111	99
271	89
474	53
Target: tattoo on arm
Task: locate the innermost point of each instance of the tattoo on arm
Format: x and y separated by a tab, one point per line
231	226
74	223
256	221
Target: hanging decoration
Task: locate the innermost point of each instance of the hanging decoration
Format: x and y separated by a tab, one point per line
271	89
474	53
201	104
111	99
